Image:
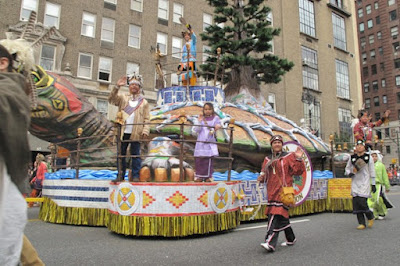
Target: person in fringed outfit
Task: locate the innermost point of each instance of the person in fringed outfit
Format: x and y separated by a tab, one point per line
204	152
136	110
360	167
363	129
278	171
378	201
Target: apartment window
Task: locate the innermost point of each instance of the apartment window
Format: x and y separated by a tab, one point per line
365	71
134	36
376	101
307	19
344	116
105	69
271	100
174	79
137	5
387	149
342	79
163	9
384	99
370	23
366	87
372	54
102	106
364	56
85	65
107	30
397	63
376	5
88	25
207	21
339	31
362	42
398	114
379	35
391	2
398	97
383	83
176	47
132	68
368	9
382	66
371	39
396	46
361	26
360	13
162	42
378	20
377	117
338	3
394	31
178	12
310	68
47	57
375	86
312	116
359	2
367	103
380	51
111	1
392	15
206	52
397	81
374	70
27	7
52	15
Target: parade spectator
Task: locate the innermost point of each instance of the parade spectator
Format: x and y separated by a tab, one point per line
37	181
135	111
276	172
360	167
376	202
363	129
204	152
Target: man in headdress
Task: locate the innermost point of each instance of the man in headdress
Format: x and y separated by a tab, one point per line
135	111
276	172
360	167
363	129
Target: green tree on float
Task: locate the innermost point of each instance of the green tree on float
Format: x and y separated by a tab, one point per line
245	41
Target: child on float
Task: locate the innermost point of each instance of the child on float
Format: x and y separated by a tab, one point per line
204	152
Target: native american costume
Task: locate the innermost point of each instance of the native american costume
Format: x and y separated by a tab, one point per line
204	152
362	171
379	202
364	131
135	110
277	172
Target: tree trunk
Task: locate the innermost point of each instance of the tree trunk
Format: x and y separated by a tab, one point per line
241	80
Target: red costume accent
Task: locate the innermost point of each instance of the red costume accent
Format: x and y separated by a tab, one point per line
364	131
275	171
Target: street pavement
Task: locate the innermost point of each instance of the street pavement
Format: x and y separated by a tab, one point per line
322	239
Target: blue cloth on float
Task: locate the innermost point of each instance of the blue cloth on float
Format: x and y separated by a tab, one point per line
110	175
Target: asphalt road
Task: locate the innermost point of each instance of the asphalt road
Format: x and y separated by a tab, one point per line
322	239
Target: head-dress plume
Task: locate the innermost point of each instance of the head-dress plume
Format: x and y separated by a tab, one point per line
136	79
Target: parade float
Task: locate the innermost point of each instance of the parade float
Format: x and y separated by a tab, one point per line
166	201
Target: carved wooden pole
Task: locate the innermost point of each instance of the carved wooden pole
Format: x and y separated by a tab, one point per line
78	153
217	66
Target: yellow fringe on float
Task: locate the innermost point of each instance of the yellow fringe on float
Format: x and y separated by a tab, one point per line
51	212
173	226
308	207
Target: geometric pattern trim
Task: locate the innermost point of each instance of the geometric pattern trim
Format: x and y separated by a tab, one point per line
177	199
147	199
339	188
204	198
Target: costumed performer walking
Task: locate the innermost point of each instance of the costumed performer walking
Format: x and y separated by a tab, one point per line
277	172
135	111
360	167
379	202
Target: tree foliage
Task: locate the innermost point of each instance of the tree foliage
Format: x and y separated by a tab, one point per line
245	40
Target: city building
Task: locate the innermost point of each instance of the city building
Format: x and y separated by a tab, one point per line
379	45
98	41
